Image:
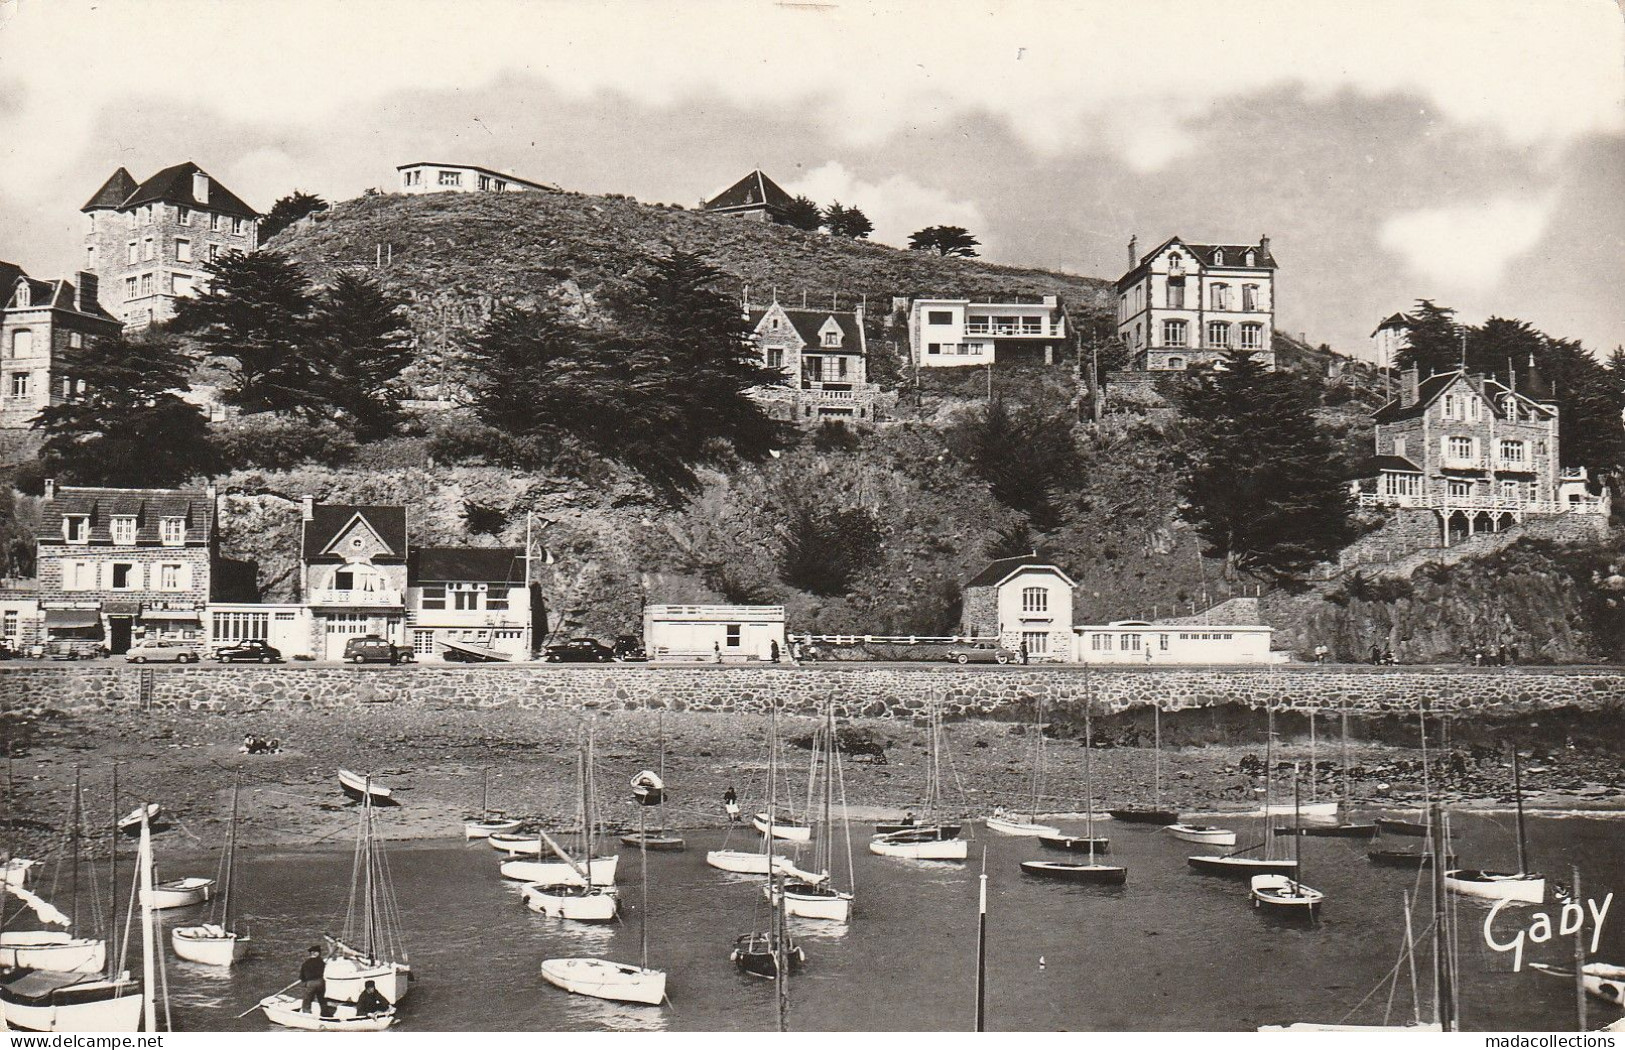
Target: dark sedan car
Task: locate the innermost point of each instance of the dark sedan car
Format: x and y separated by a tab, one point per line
252	651
629	648
580	651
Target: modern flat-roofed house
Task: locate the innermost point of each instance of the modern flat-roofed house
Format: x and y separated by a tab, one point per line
116	565
713	633
39	321
1023	601
823	356
949	333
434	177
754	197
468	603
1143	643
353	573
1185	304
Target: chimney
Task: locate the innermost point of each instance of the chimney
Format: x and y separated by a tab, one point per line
1409	384
1133	251
50	489
1264	244
200	187
307	508
86	290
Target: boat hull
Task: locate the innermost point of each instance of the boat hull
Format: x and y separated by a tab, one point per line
603	979
594	904
52	950
347	977
208	944
1312	1026
741	862
895	826
655	843
1393	826
179	893
753	954
1282	895
1069	871
923	849
1070	844
1162	817
1307	809
1496	885
795	832
484	829
1203	833
356	787
515	845
1332	831
1020	828
1241	867
601	871
1398	858
808	902
284	1010
43	1002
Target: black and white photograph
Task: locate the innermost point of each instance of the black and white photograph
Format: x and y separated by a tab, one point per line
758	517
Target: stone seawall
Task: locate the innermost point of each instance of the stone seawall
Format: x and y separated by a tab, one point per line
898	692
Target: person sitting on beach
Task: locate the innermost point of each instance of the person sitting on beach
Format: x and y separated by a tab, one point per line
371	1001
313	976
248	745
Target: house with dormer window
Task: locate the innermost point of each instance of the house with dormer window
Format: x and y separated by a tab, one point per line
353	573
39	322
1183	304
823	356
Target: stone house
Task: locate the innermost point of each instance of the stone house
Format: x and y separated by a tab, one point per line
1021	601
468	602
353	573
148	242
40	320
1185	304
117	565
824	357
754	197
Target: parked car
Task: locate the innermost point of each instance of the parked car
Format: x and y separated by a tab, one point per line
161	651
983	653
580	651
74	649
254	651
372	649
629	649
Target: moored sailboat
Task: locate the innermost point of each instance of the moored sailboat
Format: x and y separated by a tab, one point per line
1285	894
770	953
659	837
1239	863
1090	870
1154	814
1209	834
217	943
1520	885
819	898
578	900
1026	825
490	821
926	838
369	947
63	950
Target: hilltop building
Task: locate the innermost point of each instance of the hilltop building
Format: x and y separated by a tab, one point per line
824	357
148	242
39	320
949	333
1024	601
435	177
1473	455
1390	337
753	197
1182	304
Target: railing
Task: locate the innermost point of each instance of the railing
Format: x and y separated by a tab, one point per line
1462	462
1011	329
1572	474
1497	504
821	394
370	599
717	612
961	350
1516	466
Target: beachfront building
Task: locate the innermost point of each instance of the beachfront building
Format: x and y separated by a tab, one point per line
755	197
353	574
148	242
117	565
713	633
284	627
468	603
1185	304
1146	644
951	333
1024	601
436	177
823	356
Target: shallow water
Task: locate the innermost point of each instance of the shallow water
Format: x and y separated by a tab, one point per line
1171	950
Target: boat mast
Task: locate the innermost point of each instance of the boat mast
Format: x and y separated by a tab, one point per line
1156	767
1297	832
369	903
1089	778
1347	798
775	940
1517	791
1444	996
74	841
112	915
826	844
1038	760
643	864
149	955
661	770
231	861
485	794
1314	764
1410	958
1269	777
981	948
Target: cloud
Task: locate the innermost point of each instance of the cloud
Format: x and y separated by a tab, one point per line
897	205
1467	247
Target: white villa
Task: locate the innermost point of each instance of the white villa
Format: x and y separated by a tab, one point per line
949	333
432	177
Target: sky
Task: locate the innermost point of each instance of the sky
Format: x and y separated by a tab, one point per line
1467	151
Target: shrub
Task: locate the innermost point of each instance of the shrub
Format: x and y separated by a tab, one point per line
276	442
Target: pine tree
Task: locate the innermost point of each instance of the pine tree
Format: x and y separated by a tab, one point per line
366	343
944	240
127	423
287	211
1434	338
1261	482
802	213
825	549
842	221
1025	456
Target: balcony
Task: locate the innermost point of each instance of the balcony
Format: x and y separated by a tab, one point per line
1514	466
1449	462
1005	331
1493	504
382	599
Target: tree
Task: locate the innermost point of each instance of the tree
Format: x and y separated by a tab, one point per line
802	213
127	423
255	315
1434	338
842	221
826	548
365	345
287	211
1261	483
944	240
1025	456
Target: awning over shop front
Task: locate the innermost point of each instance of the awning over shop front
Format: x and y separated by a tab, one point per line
66	618
188	615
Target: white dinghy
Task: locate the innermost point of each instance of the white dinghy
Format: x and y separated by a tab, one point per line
819	898
578	900
752	862
1284	894
1520	885
1204	833
919	845
544	873
788	828
490	821
284	1010
1026	825
180	893
514	845
217	943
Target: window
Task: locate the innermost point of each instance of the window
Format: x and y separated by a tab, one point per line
242	626
1252	336
79	576
124	530
775	357
146	215
1512	452
1403	484
500	185
183	250
76	340
496	599
1128	643
1162	642
485	182
832	338
1177	364
434	596
1034	600
1176	263
1461	488
146	284
812	368
1509	489
1218	257
1176	293
414	178
124	576
1174	333
183	215
146	249
181	283
214	252
1218	334
130	291
22	343
9	631
132	252
1100	642
90	258
170	575
172	531
422	641
465	598
1219	296
939	317
19	386
933	348
216	222
1251	258
733	635
451	178
344	580
1249	297
239	226
1037	642
1458	447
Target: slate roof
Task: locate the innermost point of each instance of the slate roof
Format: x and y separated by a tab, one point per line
173	185
466	564
114	192
1429	390
148	506
755	190
1399	320
1001	568
327	520
808	323
1234	254
1399	463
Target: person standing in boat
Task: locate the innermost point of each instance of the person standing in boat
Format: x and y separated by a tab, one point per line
313	977
371	1001
730	804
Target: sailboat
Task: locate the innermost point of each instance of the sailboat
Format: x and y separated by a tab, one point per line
1238	863
818	898
601	869
217	943
58	950
490	821
658	837
1012	824
1344	829
56	1001
770	953
619	982
1082	871
763	861
786	826
579	899
1284	894
925	839
1310	809
1156	814
1520	885
369	947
